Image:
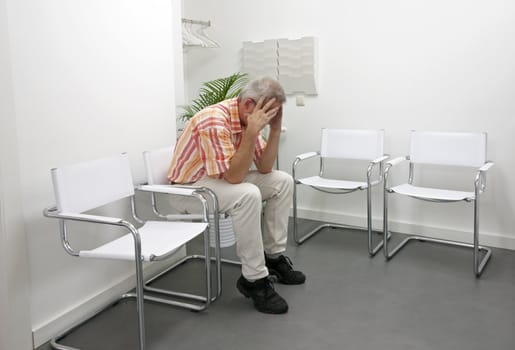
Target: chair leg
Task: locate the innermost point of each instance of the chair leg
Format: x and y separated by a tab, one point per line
295	233
478	269
301	239
140	301
475	255
479	265
140	310
207	268
191	306
218	267
372	251
387	253
201	302
54	343
201	305
140	296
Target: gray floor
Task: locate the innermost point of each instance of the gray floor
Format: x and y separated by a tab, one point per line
426	298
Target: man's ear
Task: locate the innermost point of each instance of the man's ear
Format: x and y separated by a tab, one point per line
248	103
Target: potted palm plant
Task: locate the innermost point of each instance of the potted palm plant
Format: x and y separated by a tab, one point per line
214	91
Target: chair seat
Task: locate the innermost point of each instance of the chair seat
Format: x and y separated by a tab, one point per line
432	193
317	181
158	240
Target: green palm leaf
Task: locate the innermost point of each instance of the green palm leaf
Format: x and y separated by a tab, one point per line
215	91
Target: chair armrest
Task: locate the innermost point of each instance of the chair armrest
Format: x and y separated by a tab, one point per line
299	159
197	192
486	166
53	213
190	217
396	161
168	189
480	180
370	168
390	164
307	155
91	218
97	219
380	159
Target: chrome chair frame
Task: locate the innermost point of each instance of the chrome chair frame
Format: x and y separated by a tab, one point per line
164	189
479	188
199	303
156	185
372	250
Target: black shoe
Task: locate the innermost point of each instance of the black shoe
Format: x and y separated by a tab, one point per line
282	269
263	295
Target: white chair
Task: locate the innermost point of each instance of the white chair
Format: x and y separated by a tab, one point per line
343	144
157	163
81	187
445	149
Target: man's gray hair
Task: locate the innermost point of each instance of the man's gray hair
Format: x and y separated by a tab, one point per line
266	87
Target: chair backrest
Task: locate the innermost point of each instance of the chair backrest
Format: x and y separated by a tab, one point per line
157	163
448	148
352	144
84	186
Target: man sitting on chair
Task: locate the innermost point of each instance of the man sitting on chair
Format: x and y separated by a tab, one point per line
216	150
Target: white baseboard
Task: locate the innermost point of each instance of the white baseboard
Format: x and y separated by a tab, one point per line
487	239
85	308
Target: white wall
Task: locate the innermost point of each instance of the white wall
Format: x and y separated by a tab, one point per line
398	65
91	78
15	325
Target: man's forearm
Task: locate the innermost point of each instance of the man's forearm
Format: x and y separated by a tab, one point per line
266	162
242	159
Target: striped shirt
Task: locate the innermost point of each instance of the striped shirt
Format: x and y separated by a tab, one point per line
208	143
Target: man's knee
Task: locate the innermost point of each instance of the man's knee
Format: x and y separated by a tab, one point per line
284	179
250	195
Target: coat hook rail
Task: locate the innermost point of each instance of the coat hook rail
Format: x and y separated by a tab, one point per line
193	21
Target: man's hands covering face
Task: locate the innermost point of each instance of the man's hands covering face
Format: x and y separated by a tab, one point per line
263	114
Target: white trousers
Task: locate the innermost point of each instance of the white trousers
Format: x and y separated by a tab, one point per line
244	203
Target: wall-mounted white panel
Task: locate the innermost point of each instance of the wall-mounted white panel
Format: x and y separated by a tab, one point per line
260	58
292	62
297	65
302	84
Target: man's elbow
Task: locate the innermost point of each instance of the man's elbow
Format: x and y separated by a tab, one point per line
264	168
233	180
265	171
